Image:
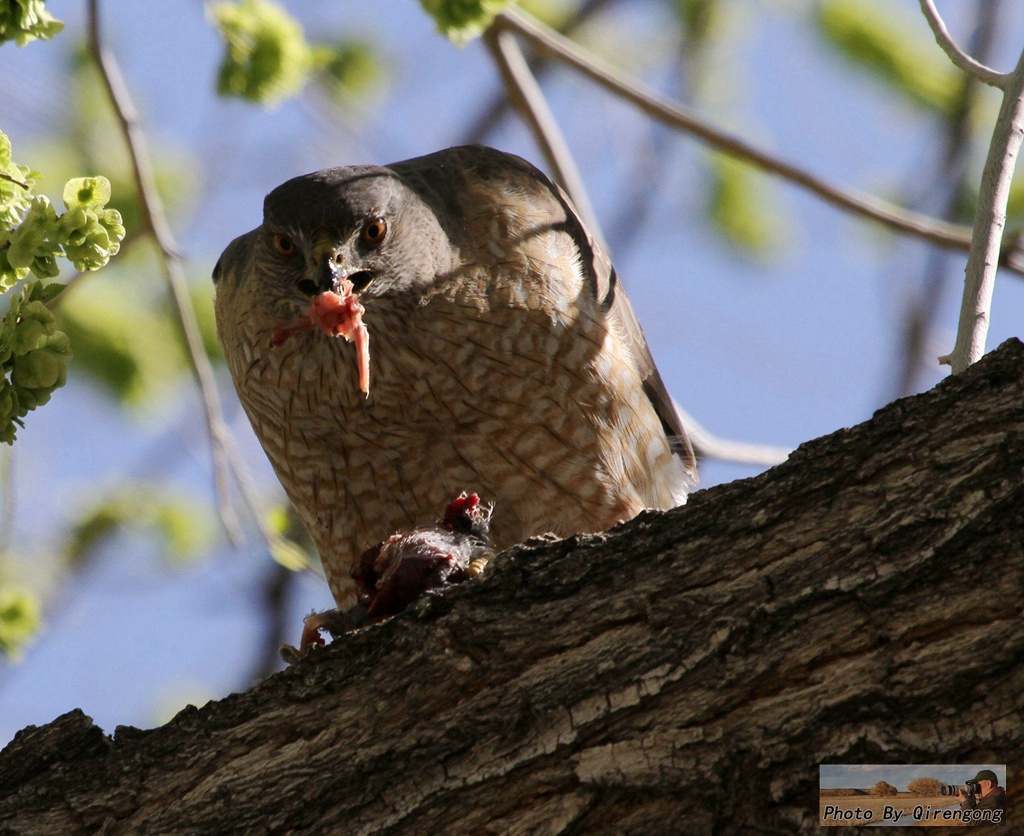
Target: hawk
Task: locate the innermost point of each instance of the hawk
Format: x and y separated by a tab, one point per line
492	350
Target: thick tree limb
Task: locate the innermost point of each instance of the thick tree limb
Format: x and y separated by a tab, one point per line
685	672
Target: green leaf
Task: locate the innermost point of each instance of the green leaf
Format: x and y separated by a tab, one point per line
20	617
9	274
91	234
185	528
16	185
894	48
463	20
32	243
33	358
267	57
34	324
740	205
91	242
553	13
350	70
46	293
289	554
700	18
121	343
39	369
278	523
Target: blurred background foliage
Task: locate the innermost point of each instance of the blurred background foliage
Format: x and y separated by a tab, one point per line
127	347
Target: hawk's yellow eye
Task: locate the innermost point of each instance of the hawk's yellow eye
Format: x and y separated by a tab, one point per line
284	245
373	232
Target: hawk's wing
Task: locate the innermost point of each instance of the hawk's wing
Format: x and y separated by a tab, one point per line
613	299
431	177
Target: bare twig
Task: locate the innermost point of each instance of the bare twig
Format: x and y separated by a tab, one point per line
156	223
14	180
671	113
983	261
961	59
494	111
527	98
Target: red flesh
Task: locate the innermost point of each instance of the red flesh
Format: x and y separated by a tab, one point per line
337	315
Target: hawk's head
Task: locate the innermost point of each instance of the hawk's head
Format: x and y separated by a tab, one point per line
367	225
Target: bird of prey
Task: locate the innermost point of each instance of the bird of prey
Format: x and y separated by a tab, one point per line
492	350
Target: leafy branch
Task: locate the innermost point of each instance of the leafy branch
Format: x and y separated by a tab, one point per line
33	353
679	117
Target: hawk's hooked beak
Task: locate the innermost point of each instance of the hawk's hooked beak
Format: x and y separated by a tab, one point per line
327	275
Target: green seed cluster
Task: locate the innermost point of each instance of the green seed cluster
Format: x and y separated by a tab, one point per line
267	57
463	20
87	234
33	353
34	358
22	21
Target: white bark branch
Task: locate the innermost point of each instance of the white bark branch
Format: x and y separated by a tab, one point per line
986	242
960	58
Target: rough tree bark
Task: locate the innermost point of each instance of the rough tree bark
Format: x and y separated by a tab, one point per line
685	672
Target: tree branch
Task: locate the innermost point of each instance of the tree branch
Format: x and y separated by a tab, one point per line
17	183
675	115
986	243
528	99
686	672
949	184
494	111
961	59
156	224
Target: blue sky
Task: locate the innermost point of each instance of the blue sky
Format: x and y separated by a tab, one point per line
776	352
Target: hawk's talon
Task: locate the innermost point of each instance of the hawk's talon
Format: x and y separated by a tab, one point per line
289	654
478	564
